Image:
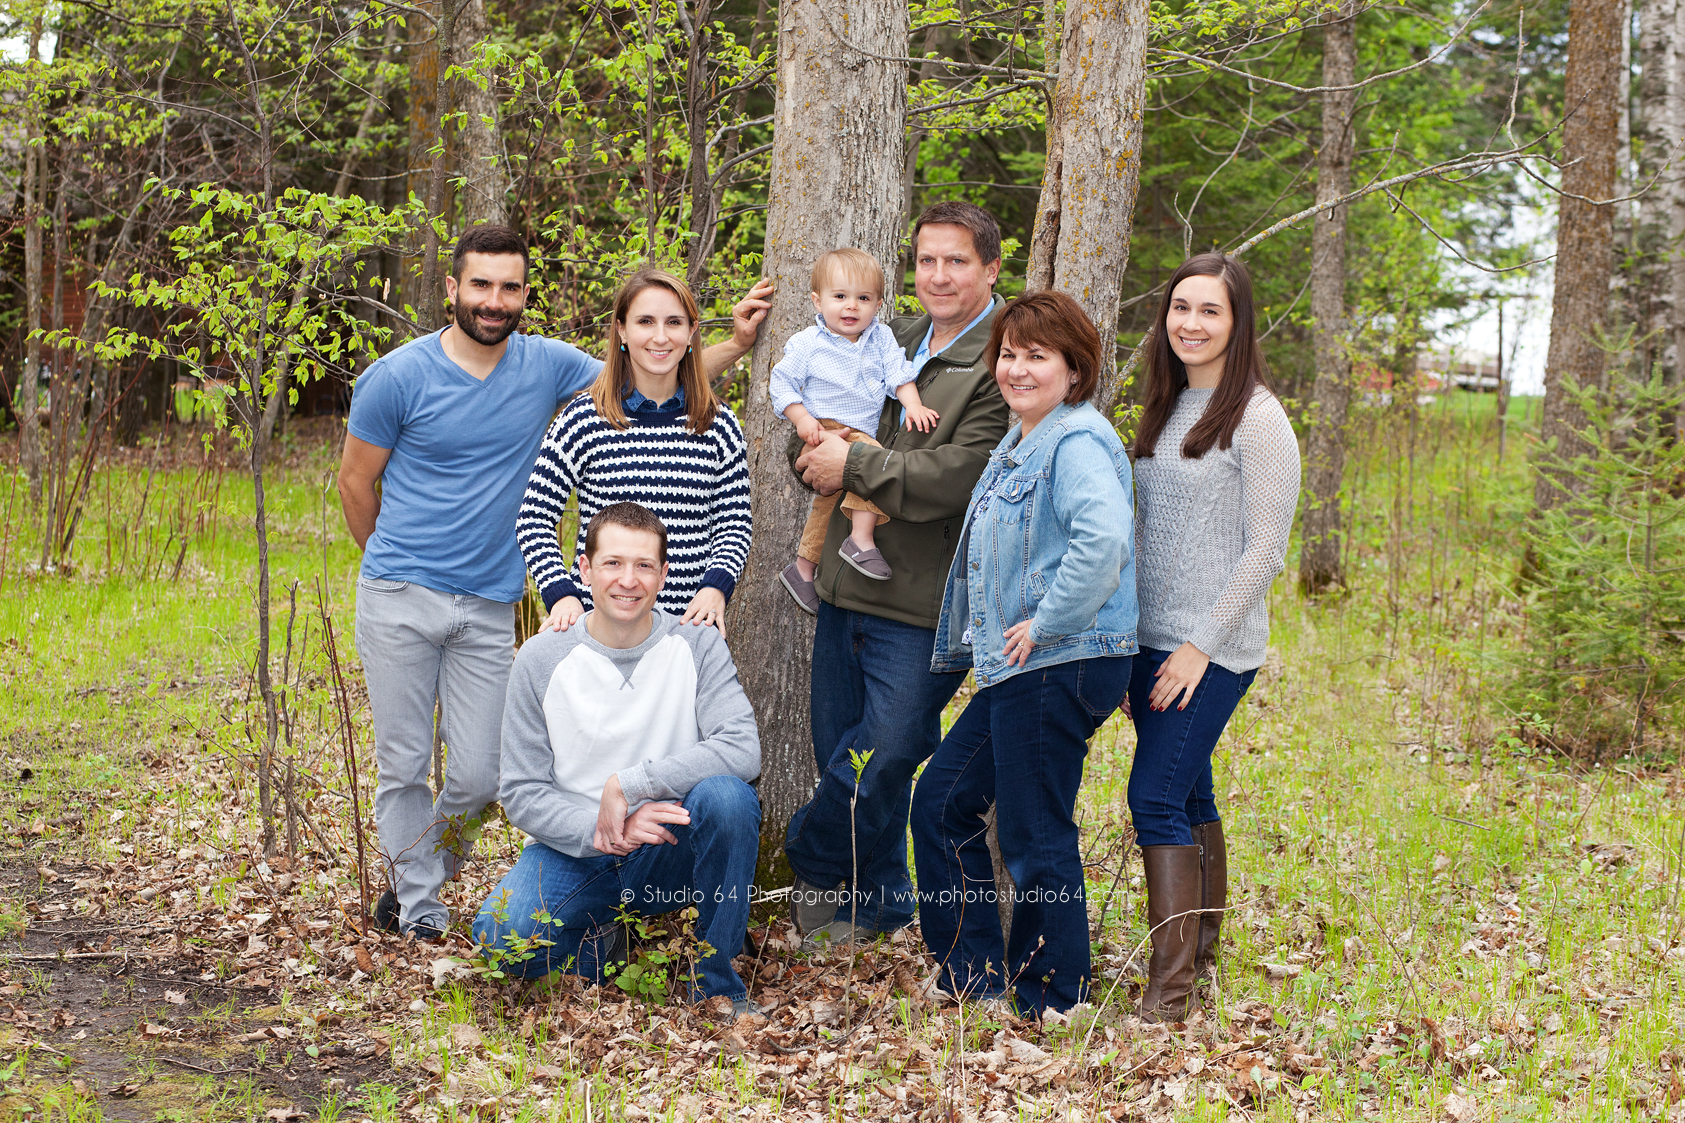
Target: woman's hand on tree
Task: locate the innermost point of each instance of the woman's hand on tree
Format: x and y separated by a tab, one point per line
1178	676
563	614
746	317
1019	643
706	607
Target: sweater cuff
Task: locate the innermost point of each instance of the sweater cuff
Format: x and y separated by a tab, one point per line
556	590
1208	637
721	579
635	785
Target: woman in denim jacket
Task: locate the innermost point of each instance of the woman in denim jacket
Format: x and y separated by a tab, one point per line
1040	604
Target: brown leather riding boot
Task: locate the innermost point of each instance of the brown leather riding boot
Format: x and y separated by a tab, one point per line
1173	903
1214	894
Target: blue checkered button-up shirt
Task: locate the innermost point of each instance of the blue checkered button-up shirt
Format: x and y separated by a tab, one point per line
838	380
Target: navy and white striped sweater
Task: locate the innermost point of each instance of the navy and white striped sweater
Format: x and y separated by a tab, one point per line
698	485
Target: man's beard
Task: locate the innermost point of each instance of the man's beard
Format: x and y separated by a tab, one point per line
485	338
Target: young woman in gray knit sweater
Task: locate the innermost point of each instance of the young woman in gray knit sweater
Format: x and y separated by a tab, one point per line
1216	484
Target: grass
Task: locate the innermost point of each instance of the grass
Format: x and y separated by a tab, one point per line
1429	920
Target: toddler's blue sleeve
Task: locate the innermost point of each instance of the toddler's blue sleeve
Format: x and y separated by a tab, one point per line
897	367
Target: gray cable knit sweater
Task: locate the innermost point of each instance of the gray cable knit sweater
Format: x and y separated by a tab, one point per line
666	715
1211	534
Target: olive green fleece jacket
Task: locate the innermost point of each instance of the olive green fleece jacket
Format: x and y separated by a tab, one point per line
922	481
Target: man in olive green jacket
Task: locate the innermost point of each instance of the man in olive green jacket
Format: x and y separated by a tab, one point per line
872	688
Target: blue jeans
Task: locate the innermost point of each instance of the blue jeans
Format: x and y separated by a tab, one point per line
1019	746
1170	782
711	868
873	690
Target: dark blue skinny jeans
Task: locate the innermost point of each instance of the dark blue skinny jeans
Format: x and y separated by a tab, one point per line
1170	782
1019	746
710	868
872	690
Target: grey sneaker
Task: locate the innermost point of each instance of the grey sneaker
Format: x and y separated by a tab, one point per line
870	563
813	906
802	592
743	1008
838	933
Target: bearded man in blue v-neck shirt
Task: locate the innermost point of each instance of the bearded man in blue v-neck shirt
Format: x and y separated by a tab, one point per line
449	425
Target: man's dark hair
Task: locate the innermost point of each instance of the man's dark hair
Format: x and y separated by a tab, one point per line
632	516
985	231
489	238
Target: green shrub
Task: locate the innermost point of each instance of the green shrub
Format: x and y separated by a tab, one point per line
1603	672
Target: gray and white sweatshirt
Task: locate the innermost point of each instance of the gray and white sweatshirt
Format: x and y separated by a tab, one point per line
666	715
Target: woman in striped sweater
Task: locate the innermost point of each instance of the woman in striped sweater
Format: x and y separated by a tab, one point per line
650	431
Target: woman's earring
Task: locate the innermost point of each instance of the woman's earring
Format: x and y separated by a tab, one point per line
623	346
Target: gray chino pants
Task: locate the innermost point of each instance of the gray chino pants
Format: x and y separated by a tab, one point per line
416	644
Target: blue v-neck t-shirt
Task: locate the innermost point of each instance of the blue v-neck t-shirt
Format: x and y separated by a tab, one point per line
462	451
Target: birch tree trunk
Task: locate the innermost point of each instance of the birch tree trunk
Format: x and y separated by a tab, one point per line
1585	233
1656	128
1087	206
28	396
485	171
1320	565
836	181
1676	205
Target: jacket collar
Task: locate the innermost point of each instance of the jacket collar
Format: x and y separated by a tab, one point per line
968	348
1021	448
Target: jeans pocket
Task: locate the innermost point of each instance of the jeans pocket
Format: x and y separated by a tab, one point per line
1101	685
382	585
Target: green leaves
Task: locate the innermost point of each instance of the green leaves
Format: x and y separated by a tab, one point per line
262	293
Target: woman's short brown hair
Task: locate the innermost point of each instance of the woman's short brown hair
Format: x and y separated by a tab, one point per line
1053	320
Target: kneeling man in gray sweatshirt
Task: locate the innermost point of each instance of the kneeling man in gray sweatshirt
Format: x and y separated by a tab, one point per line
628	745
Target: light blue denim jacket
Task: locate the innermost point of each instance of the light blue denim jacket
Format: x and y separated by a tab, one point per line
1055	543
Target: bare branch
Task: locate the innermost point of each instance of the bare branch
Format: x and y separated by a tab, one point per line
1369	81
1428	226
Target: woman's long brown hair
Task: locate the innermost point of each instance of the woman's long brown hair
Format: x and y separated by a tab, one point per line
1244	369
615	382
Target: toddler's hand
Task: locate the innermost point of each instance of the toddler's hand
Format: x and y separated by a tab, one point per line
810	431
922	418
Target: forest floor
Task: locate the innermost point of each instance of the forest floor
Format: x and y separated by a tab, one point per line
1429	920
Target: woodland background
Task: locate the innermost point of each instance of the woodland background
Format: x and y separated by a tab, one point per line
216	214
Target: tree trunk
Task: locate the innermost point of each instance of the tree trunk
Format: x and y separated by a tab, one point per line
1584	236
65	413
430	59
1676	207
1087	206
1320	566
1502	408
832	175
1626	303
28	396
485	191
1656	128
704	212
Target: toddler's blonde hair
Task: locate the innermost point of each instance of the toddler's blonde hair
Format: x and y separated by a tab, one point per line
852	265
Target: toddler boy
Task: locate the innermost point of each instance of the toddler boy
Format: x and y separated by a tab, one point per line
836	375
